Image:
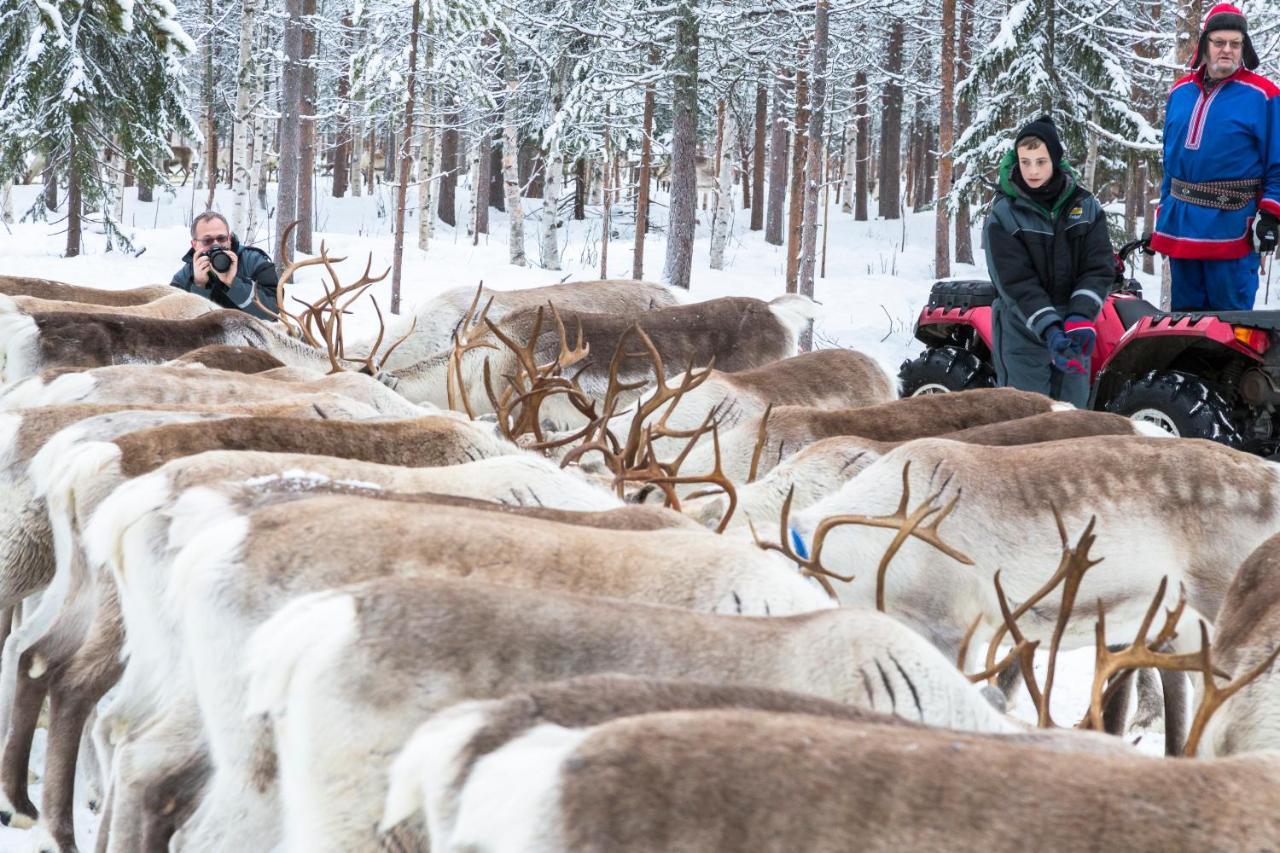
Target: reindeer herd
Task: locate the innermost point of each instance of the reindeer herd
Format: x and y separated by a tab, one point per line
588	568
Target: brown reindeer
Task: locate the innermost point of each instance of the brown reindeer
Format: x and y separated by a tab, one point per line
734	333
859	658
727	780
444	752
41	288
1247	631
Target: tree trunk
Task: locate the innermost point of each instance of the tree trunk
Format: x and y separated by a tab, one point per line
210	126
511	169
814	161
448	168
357	155
406	143
606	192
74	202
964	224
928	167
290	127
389	160
862	147
426	168
549	224
891	128
1132	193
744	157
346	134
799	155
50	192
1149	217
496	190
473	197
145	190
246	89
642	193
724	198
581	178
684	143
484	142
946	138
777	163
850	157
6	203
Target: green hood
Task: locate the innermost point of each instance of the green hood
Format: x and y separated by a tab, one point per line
1007	164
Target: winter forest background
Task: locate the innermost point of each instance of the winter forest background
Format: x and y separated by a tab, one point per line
641	118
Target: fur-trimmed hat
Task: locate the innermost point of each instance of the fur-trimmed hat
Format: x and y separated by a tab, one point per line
1224	16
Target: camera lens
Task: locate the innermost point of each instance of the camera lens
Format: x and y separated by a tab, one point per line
220	260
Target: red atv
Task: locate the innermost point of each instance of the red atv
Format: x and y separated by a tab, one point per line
1212	375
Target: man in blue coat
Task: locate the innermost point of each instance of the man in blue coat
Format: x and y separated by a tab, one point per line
1221	171
249	278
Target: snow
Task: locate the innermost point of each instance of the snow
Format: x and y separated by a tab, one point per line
878	275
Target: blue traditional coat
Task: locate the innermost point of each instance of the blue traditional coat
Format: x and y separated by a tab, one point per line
1230	134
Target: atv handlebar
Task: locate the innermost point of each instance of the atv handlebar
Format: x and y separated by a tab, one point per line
1128	249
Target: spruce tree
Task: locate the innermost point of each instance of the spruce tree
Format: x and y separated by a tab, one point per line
78	80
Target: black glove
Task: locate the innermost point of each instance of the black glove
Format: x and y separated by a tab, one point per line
1266	230
1146	244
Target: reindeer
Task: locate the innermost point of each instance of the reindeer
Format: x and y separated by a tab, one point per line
727	780
709	572
436	319
180	161
436	765
178	305
825	378
1247	630
188	384
42	288
83	671
1192	511
826	465
738	333
861	658
759	443
677	566
231	358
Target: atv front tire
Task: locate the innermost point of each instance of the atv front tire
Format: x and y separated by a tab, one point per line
1180	404
943	369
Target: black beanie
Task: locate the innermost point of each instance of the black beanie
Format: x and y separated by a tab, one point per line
1044	130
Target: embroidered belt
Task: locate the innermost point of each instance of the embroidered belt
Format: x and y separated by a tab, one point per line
1223	195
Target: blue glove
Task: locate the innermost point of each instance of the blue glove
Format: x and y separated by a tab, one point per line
1083	334
1062	351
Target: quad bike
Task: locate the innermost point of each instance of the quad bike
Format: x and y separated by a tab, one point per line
1204	374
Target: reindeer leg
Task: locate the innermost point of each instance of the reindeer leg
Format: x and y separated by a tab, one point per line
27	701
1116	712
104	826
72	697
1175	711
1150	700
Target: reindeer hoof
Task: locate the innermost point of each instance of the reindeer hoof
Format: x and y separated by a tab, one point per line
5	816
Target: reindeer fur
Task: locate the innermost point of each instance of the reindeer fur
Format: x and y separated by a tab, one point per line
729	780
461	640
1247	630
192	384
739	333
826	465
12	285
1190	510
430	773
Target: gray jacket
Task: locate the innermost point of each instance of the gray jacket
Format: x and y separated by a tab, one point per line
254	273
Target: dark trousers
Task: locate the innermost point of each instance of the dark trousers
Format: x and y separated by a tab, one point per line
1022	361
1214	285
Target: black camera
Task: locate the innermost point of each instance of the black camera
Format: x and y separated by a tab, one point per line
219	259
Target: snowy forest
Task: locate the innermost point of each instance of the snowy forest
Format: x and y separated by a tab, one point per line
805	110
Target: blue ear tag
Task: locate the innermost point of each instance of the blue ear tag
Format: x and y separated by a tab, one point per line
797	544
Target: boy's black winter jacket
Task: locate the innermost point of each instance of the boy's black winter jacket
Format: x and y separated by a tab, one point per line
1048	263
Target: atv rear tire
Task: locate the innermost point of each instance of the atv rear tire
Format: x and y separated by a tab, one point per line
1180	404
942	369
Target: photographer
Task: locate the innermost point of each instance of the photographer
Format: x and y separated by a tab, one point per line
218	268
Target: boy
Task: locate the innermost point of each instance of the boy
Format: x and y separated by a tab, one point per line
1050	257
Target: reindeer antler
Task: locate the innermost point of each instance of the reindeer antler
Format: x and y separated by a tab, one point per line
907	525
462	343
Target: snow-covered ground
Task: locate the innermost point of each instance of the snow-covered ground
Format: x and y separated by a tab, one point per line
878	275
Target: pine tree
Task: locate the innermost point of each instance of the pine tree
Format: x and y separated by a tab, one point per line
80	79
